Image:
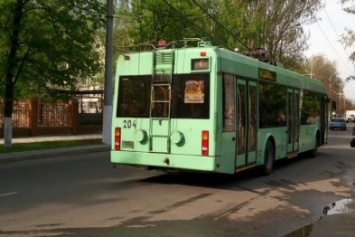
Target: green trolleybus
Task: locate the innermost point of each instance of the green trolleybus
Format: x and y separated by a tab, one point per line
209	109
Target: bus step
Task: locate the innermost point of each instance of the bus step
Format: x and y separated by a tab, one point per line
160	101
161	84
292	155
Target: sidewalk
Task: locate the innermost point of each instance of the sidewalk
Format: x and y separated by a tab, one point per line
39	154
56	138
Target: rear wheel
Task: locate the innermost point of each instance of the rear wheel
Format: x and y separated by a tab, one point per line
269	157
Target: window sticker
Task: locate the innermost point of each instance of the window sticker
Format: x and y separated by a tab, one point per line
194	92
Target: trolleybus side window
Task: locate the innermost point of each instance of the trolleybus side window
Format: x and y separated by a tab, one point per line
133	96
228	105
310	107
241	123
190	96
272	99
252	118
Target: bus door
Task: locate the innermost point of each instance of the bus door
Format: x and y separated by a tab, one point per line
228	139
293	122
252	122
246	128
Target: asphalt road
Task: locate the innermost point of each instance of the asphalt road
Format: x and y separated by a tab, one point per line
82	195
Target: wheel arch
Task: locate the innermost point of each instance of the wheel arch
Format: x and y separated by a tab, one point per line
268	137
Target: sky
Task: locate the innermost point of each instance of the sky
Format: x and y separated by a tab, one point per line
324	40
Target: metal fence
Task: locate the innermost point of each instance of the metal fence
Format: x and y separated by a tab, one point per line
57	114
53	114
20	114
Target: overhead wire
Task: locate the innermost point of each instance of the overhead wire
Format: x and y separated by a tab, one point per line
336	33
197	26
237	38
331	23
220	24
330	43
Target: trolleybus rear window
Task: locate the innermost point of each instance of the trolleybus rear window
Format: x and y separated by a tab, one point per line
189	97
134	96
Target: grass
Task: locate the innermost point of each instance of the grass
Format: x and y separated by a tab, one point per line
21	147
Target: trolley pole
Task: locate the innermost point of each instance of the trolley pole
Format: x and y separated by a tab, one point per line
108	92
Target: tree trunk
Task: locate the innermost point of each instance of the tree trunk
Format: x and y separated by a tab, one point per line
10	71
9	97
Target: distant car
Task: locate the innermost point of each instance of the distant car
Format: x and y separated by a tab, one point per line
350	120
337	123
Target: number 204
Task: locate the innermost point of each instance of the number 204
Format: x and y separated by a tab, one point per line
129	123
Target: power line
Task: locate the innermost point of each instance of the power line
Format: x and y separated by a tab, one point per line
336	33
331	23
220	24
330	43
197	26
337	37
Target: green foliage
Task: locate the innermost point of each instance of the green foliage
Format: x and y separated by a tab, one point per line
147	21
348	39
274	25
55	44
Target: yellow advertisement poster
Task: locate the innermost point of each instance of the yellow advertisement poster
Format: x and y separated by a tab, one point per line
194	92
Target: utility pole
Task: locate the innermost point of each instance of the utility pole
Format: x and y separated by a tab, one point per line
341	94
312	63
330	82
108	93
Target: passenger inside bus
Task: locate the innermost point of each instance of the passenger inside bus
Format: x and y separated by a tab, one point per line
313	118
281	119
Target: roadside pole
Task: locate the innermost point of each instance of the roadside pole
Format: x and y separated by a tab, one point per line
107	118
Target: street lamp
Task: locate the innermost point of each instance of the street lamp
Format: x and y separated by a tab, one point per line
312	63
329	81
341	94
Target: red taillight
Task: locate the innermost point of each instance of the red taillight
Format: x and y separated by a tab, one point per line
118	139
161	43
204	143
203	54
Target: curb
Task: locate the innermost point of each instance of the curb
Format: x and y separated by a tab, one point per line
51	153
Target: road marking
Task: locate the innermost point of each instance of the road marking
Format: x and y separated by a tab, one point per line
7	194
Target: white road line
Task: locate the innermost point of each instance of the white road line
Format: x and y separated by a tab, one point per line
7	194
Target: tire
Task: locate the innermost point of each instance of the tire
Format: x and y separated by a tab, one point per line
269	158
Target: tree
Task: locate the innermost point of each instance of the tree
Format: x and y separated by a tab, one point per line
44	44
325	71
275	25
147	21
348	38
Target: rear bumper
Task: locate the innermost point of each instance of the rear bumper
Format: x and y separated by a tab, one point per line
165	161
337	127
